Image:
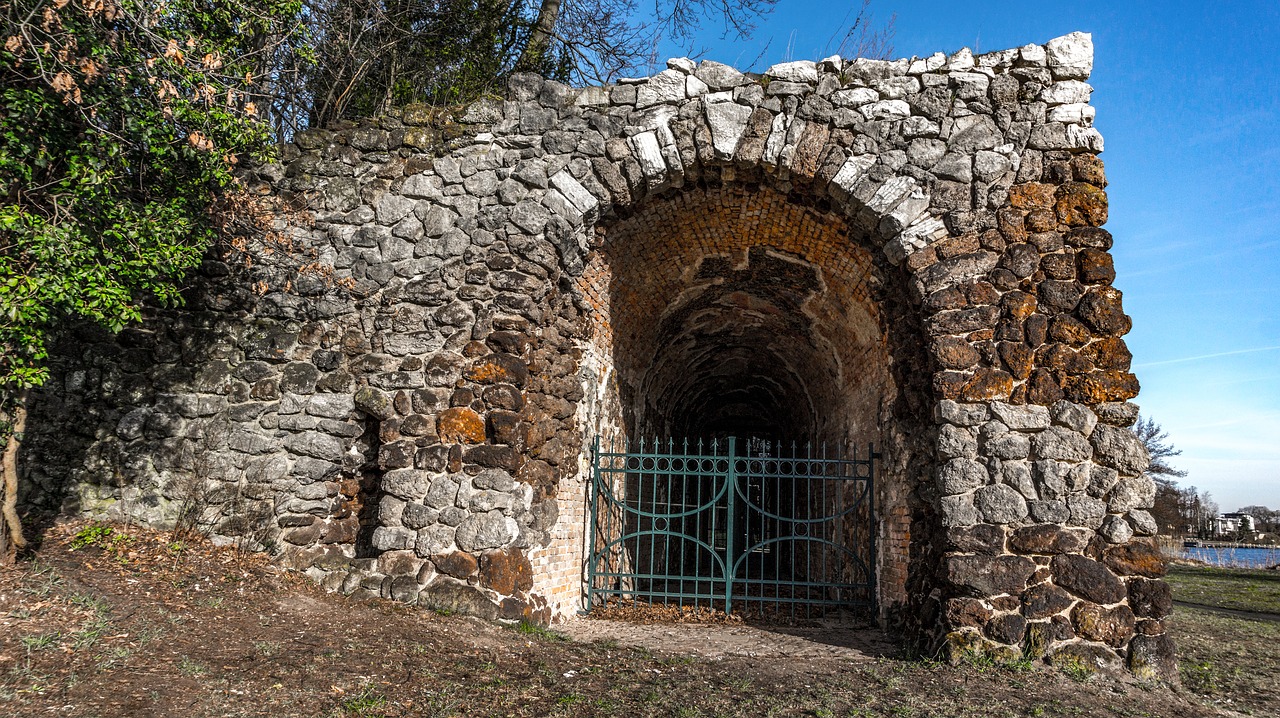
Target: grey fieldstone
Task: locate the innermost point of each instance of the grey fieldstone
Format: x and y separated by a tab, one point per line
1144	524
1018	475
1058	442
1000	504
958	476
1011	445
1115	529
1050	512
1077	417
962	414
955	443
1086	511
1120	449
408	484
391	538
485	531
1028	417
959	511
1134	492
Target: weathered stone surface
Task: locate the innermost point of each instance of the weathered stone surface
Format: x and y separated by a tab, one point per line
1086	511
1120	449
1112	626
961	475
967	612
1153	658
1076	417
1047	539
458	564
989	575
1045	600
445	594
962	414
1000	504
1115	529
1087	579
980	538
1136	558
460	425
485	531
1022	418
1008	628
1149	598
506	571
1070	56
407	484
955	442
1061	443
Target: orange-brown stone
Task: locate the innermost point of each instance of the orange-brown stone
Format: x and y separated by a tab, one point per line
1042	388
955	353
498	369
1088	168
1018	357
1031	195
1019	305
1095	266
1109	353
967	612
460	425
986	384
506	571
1101	386
458	564
1080	204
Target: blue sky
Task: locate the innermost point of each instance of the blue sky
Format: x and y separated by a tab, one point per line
1188	100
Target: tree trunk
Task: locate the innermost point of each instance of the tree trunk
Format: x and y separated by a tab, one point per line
540	37
11	539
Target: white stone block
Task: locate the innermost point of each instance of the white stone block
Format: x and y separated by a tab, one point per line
683	64
798	71
727	120
886	110
850	172
572	189
1076	113
1084	138
1067	92
855	97
666	86
961	61
1071	56
648	154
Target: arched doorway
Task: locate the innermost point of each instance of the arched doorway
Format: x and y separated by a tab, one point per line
750	381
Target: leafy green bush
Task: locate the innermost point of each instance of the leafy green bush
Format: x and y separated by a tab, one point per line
120	121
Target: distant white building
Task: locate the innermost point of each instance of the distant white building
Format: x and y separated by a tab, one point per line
1233	524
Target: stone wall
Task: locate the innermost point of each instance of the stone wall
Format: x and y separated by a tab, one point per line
903	252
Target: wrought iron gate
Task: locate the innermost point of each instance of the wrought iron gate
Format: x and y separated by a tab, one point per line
766	530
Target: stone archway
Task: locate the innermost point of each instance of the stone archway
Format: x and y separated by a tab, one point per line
732	309
934	221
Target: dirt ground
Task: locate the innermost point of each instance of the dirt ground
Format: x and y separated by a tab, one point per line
105	623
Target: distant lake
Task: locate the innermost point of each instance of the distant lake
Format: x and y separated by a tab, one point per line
1235	557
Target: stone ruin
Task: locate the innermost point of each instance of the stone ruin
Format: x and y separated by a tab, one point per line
907	253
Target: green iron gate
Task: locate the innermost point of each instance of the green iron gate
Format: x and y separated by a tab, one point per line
769	530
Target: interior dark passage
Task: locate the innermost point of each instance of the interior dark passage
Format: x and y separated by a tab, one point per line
739	313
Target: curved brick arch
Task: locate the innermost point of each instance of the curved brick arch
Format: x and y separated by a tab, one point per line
423	436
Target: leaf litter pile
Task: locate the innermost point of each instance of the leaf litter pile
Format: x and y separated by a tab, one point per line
114	621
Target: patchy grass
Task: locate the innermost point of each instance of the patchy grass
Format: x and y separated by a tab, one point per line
1230	661
1234	588
209	632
